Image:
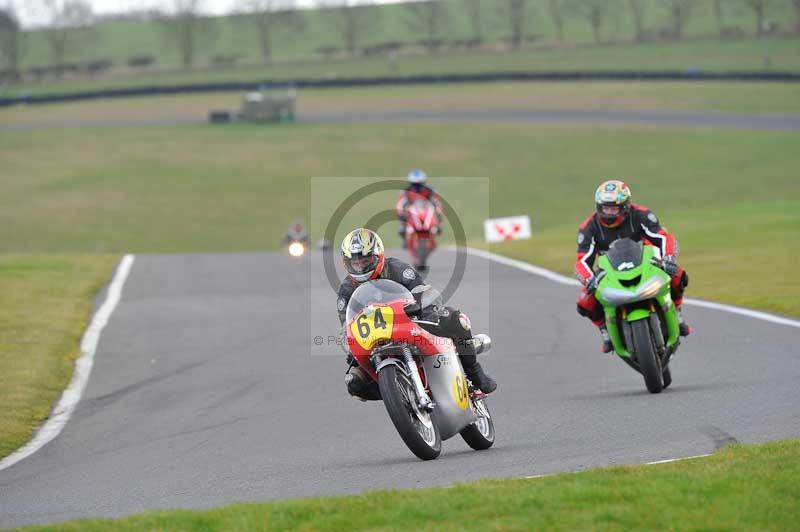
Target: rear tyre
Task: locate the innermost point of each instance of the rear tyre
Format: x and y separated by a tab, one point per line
646	356
480	435
415	427
667	378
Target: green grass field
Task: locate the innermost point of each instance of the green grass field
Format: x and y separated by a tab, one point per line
200	188
705	54
738	488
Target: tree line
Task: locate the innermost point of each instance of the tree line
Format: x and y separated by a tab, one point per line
71	25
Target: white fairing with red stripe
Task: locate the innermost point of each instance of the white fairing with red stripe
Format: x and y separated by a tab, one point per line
421	217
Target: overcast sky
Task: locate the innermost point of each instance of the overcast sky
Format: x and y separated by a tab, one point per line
31	13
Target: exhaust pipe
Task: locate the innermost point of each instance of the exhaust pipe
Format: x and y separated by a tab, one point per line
482	343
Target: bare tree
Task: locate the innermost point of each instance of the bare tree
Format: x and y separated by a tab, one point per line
679	11
637	8
71	25
354	21
759	8
796	4
557	11
428	16
719	15
10	41
267	15
184	26
517	12
475	13
595	12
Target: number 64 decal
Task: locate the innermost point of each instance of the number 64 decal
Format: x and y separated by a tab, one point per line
372	325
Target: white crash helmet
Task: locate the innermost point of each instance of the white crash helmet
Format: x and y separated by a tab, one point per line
416	177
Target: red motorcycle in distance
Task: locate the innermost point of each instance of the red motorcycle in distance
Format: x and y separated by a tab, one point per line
419	375
422	226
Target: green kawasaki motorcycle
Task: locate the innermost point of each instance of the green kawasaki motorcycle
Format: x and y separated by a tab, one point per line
641	318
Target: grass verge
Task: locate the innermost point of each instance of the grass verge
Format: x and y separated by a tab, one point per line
738	488
46	302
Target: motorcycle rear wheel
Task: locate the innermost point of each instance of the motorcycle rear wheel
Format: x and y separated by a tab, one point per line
416	428
480	435
646	356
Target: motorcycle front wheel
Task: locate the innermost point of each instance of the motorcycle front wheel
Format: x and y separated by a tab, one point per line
422	254
415	427
646	356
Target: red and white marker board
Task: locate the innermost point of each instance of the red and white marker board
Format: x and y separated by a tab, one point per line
511	228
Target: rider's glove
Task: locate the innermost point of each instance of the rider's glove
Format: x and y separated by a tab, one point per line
593	281
670	265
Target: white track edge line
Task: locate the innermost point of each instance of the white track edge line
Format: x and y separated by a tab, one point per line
562	279
657	462
670	460
83	368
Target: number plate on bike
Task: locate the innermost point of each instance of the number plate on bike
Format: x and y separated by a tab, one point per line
372	325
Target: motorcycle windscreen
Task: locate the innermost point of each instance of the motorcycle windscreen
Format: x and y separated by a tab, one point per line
379	291
625	254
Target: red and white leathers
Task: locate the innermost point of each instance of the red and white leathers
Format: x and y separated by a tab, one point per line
594	237
413	192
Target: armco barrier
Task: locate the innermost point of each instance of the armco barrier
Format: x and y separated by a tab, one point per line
613	75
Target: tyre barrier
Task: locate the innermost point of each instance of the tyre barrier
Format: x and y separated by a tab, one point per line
323	83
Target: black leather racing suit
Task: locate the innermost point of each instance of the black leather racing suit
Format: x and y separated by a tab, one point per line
448	319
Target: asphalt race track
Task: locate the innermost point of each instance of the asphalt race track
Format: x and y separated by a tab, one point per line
774	121
205	392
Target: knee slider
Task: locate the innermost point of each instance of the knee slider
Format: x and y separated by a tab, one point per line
584	312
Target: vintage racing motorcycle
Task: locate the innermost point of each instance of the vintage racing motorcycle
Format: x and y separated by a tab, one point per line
419	374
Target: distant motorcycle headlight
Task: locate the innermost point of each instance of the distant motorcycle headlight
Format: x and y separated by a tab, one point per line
296	249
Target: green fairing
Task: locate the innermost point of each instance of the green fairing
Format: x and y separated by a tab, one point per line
649	273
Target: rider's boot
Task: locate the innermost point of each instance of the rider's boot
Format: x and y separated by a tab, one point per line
473	369
607	346
361	386
683	326
480	379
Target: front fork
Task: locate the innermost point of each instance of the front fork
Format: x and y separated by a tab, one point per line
670	316
408	366
424	402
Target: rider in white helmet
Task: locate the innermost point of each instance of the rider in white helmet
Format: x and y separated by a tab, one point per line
417	189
